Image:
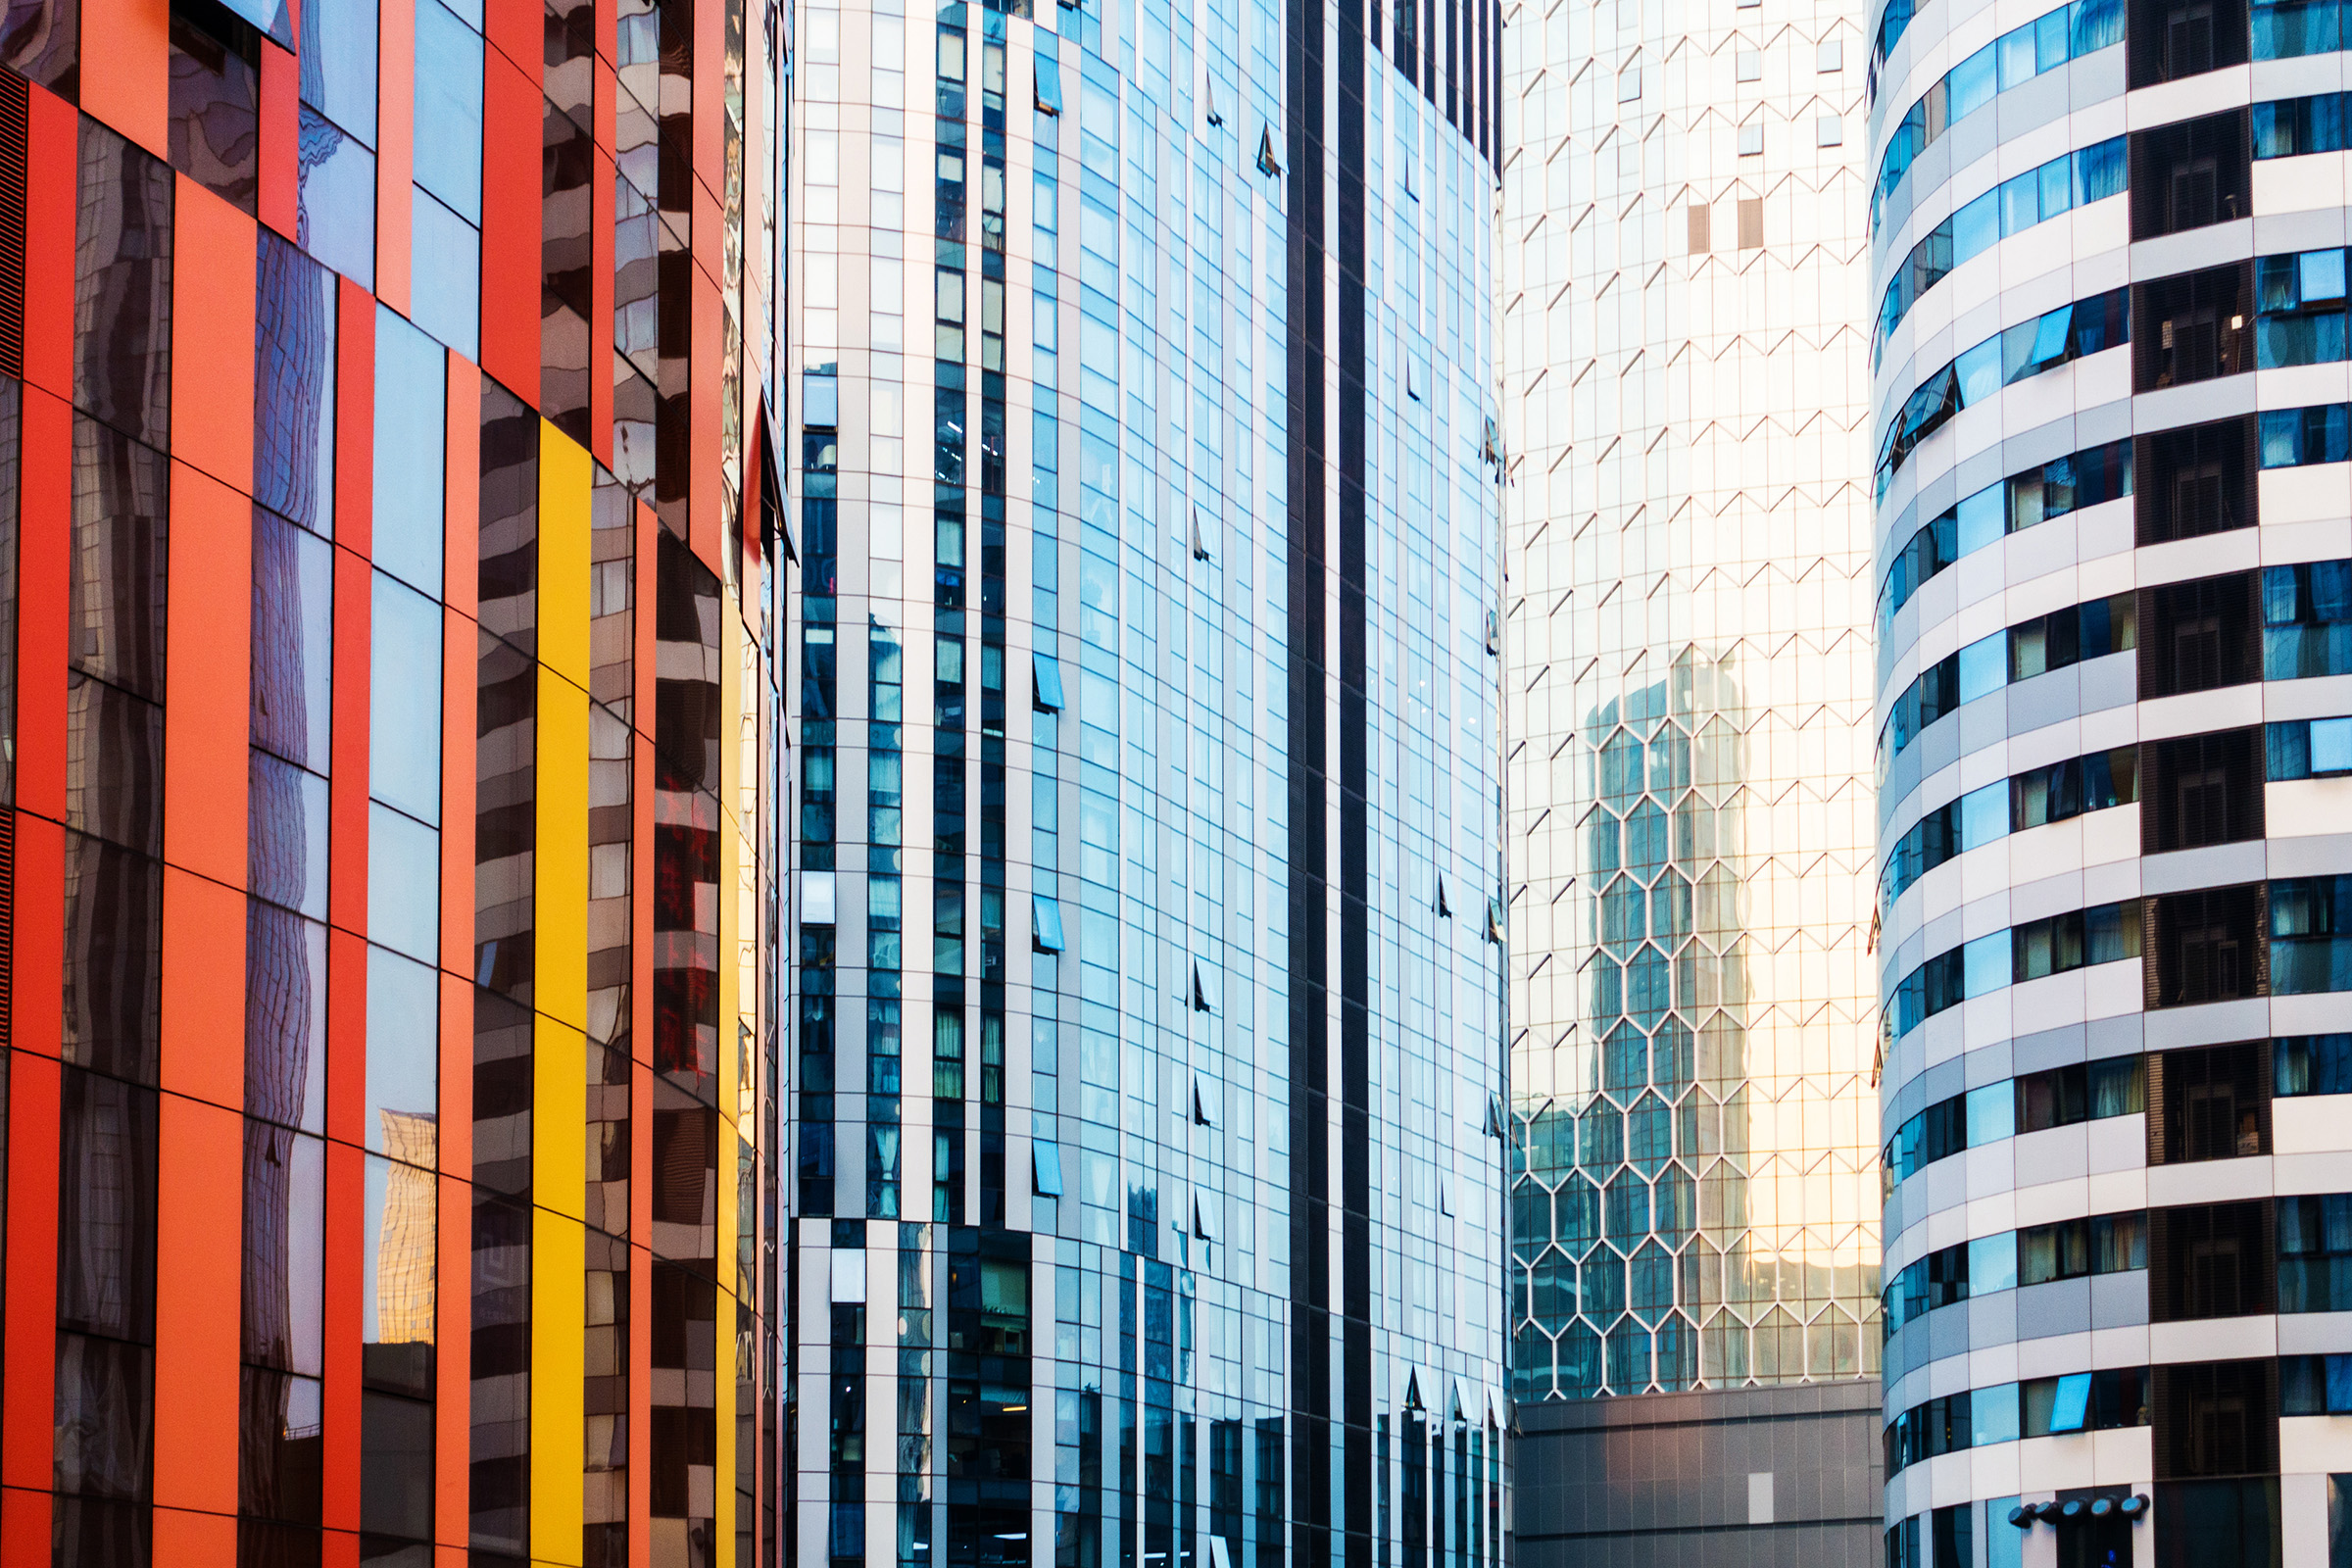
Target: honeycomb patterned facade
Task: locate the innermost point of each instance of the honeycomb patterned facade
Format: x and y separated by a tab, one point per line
1688	638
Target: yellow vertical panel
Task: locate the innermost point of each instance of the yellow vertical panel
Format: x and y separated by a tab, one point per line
558	1355
564	477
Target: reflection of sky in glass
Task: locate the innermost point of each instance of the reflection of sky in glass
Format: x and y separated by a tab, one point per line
1692	1010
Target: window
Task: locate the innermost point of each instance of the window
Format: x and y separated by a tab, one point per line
2202	790
2314	1385
2061	790
2207	945
2216	1418
2191	326
2060	1097
2294	437
2190	174
2310	935
2231	1521
2209	1260
2306	620
1751	223
1751	140
1049	85
1828	132
1045	923
2312	1064
1695	219
2314	1253
1047	684
2209	1103
2280	29
2195	481
216	100
2074	1249
2174	38
1046	1169
2200	635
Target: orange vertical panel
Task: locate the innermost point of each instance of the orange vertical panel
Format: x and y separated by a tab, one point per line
461	551
53	135
43	565
601	231
25	1527
204	989
211	639
281	137
701	459
28	1426
212	335
709	151
346	1239
188	1540
395	147
199	1254
129	45
513	108
347	783
355	419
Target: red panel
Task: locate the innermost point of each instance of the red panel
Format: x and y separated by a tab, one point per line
517	29
463	496
599	279
192	1539
199	1253
281	135
512	110
346	1239
204	989
30	1418
43	563
205	723
53	133
130	90
355	419
395	149
24	1526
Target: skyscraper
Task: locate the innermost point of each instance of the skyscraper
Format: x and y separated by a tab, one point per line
1146	1135
2113	526
388	557
1695	1268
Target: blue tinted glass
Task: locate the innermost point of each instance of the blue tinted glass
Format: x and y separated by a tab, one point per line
2072	1404
2331	745
404	882
1986	969
285	854
1984	814
449	109
1976	226
2049	338
293	640
2050	41
411	428
2016	50
335	199
338	63
445	274
2320	274
1983	666
1973	83
403	1040
1979	372
2057	187
404	714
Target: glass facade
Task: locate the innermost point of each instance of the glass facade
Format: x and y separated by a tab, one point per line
393	958
1687	636
1146	1160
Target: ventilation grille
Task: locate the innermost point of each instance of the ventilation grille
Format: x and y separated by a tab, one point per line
15	114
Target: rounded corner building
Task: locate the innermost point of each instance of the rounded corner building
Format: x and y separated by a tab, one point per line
1147	1137
2114	602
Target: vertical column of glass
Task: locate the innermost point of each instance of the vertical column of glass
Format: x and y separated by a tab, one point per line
817	1006
610	1040
505	841
915	1527
990	448
951	415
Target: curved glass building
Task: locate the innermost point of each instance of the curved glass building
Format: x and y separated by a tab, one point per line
1686	632
1146	1135
2114	518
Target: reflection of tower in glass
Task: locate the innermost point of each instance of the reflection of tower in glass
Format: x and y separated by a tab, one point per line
404	1256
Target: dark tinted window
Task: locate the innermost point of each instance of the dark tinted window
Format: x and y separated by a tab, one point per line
2195	481
2205	946
2196	636
2211	1102
2182	328
2211	1260
2216	1418
2190	174
2202	788
2174	38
